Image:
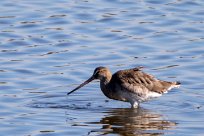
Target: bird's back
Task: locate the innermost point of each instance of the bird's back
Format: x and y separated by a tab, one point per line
137	82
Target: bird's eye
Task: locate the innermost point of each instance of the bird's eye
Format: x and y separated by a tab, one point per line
96	72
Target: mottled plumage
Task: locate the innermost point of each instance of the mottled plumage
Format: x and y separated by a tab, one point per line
132	85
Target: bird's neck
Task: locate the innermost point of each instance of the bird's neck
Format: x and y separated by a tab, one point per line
106	78
104	84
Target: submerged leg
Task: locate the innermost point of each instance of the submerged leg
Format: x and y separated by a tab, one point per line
134	105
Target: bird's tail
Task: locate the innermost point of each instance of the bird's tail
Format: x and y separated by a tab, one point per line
174	85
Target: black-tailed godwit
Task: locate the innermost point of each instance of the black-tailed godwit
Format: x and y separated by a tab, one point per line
131	85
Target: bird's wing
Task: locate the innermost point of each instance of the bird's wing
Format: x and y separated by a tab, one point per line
136	81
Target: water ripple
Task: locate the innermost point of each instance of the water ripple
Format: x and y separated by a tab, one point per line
49	47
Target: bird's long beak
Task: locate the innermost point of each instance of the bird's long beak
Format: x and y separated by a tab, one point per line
81	85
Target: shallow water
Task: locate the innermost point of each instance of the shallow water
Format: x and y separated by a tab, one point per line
49	47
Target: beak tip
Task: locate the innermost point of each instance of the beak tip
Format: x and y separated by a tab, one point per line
69	93
86	82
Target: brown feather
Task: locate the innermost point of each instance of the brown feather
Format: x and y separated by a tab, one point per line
136	81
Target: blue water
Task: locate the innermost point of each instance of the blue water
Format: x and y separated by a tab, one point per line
49	47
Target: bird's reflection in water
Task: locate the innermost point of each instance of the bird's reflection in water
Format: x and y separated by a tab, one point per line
131	122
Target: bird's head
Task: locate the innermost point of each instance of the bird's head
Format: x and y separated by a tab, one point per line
100	73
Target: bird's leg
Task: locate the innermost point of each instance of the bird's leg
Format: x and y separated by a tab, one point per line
134	105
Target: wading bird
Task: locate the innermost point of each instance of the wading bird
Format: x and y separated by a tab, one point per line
131	85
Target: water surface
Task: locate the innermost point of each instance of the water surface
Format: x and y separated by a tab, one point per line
49	47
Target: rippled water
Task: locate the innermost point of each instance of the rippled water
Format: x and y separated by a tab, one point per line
48	47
